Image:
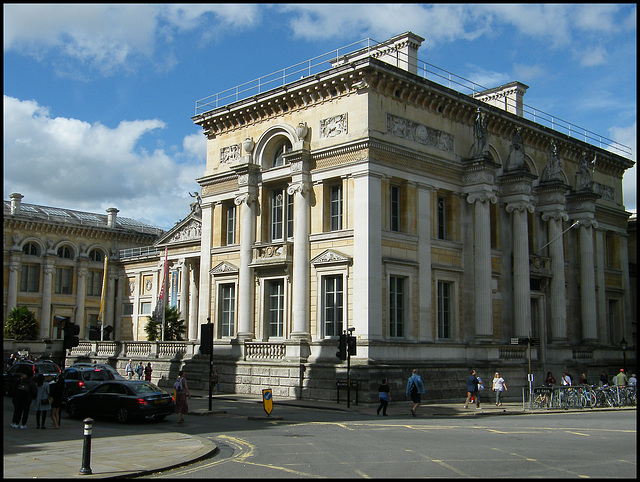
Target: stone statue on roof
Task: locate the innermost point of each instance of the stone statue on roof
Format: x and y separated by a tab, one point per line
515	161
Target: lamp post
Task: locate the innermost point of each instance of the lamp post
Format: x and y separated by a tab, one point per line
623	345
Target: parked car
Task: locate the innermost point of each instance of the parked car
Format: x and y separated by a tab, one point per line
125	400
41	367
104	366
79	379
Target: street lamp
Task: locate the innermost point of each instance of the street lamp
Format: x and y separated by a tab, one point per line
623	345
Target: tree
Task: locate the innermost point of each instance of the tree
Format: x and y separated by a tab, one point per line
174	327
21	324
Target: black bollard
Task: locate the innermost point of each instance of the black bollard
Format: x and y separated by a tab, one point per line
86	448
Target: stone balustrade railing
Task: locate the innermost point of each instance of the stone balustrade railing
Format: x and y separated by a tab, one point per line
137	349
264	351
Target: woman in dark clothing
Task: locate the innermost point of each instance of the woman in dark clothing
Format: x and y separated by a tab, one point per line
56	390
24	392
385	397
182	392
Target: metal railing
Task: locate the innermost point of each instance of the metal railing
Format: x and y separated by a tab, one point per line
134	252
429	71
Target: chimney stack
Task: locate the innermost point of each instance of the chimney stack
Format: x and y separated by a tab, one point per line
111	217
16	199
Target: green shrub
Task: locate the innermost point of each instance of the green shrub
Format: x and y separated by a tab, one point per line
21	324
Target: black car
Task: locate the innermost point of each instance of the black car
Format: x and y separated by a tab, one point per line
41	367
104	366
124	400
79	379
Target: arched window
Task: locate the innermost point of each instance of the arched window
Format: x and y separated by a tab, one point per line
31	249
64	252
282	148
95	255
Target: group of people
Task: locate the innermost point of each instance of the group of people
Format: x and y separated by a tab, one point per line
47	396
567	379
140	370
415	389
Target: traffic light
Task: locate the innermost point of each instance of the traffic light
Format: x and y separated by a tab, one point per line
71	332
206	338
351	345
342	347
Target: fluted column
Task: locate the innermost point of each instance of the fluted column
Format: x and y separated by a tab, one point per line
12	289
482	263
45	318
194	332
184	292
301	284
521	275
248	213
80	295
587	283
204	301
558	292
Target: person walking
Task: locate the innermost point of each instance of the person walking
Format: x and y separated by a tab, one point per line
499	385
147	372
384	395
56	390
128	370
43	404
633	381
24	392
182	392
415	388
566	379
140	370
472	389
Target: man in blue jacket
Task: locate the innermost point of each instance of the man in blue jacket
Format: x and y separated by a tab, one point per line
415	388
472	389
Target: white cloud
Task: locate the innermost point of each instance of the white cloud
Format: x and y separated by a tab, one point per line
628	136
72	163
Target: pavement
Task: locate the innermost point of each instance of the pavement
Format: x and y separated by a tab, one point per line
57	453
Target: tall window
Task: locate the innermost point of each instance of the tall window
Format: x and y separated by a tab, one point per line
444	309
336	207
94	283
230	224
29	278
442	217
332	305
282	148
281	215
396	306
64	252
30	249
63	281
227	309
275	307
395	208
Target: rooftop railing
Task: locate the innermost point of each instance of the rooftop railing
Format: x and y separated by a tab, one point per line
429	71
135	252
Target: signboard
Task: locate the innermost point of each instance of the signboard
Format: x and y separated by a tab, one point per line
267	400
514	341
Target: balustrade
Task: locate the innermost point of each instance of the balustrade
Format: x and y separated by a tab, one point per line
264	351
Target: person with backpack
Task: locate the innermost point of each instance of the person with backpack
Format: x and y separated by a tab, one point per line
415	388
384	396
24	392
43	404
181	394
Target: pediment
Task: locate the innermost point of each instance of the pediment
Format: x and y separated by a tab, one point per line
223	268
330	257
189	229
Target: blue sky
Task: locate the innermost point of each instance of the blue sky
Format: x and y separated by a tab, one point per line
98	99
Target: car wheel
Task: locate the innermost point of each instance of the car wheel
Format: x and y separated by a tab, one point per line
123	415
73	410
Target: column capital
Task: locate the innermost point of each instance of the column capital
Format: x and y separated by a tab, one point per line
247	198
520	206
482	196
556	215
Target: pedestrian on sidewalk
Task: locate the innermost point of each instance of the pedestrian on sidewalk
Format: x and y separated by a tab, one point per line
499	385
182	392
43	404
550	380
620	379
147	372
472	389
384	394
56	390
140	370
128	370
25	391
415	388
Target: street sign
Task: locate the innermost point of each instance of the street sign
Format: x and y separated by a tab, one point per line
267	400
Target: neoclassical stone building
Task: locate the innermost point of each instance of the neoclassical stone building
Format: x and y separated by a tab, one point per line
438	225
53	263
